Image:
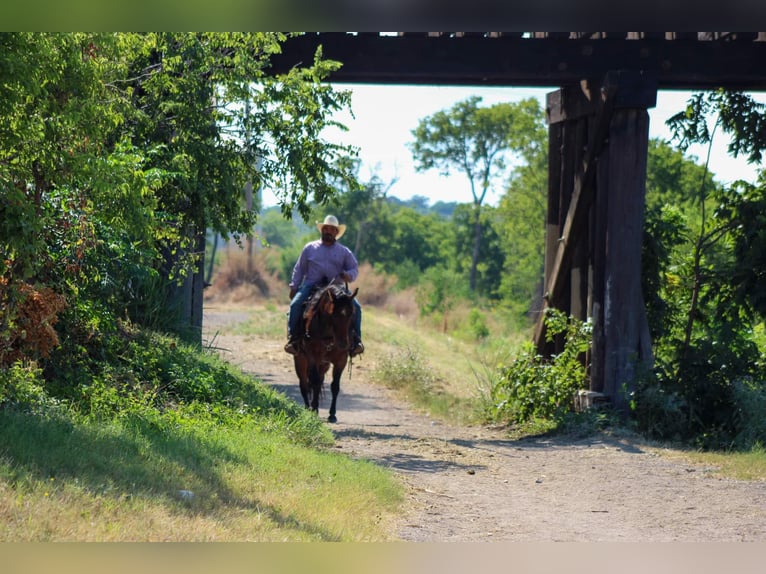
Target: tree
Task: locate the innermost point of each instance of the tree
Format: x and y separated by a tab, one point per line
702	251
491	261
521	227
360	205
118	148
477	142
215	120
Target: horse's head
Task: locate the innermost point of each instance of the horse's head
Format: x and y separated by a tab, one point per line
337	306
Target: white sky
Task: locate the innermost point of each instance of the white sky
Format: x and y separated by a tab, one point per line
385	115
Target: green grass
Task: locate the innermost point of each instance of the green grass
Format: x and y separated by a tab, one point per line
111	461
60	482
268	321
749	465
442	374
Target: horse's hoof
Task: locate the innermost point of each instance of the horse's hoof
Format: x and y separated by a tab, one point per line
332	419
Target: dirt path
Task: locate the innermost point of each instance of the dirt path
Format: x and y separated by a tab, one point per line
473	484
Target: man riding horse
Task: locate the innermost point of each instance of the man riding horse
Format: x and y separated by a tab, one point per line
321	262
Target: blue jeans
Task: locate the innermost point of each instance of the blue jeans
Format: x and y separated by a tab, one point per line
296	312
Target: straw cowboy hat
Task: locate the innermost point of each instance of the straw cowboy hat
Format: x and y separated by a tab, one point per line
332	221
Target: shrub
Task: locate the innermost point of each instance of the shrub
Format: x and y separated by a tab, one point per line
405	369
531	387
27	317
22	388
750	409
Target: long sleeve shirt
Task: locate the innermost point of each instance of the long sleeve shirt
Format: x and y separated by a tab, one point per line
320	263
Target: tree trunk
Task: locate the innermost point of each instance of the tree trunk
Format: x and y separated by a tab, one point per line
476	248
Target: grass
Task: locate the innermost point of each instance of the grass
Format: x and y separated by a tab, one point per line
247	485
737	465
439	373
258	467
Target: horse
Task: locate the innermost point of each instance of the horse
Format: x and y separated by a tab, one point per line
328	317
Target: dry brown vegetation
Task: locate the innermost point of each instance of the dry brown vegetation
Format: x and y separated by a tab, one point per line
241	279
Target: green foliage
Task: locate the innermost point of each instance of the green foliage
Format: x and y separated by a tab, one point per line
439	291
479	143
22	388
749	397
738	115
533	388
520	227
701	265
492	251
744	210
118	151
478	324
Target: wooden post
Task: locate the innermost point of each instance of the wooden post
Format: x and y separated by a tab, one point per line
598	264
553	214
578	295
596	271
624	315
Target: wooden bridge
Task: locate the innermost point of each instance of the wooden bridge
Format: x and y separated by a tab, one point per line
598	141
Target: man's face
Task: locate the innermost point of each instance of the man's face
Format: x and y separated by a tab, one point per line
328	234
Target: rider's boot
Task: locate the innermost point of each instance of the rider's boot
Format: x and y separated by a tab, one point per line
292	344
357	348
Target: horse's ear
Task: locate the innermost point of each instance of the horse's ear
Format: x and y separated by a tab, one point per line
355	292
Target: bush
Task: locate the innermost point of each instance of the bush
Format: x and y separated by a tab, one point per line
531	387
660	413
22	388
750	413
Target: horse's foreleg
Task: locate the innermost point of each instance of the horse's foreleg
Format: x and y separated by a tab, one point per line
334	389
301	369
304	384
315	386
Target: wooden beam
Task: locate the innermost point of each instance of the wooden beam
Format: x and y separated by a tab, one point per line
637	90
580	202
510	60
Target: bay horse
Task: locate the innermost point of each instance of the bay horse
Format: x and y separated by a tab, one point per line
328	317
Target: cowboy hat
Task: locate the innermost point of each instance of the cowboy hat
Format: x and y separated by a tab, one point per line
332	221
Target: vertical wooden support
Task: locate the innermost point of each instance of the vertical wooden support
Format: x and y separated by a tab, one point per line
555	143
624	314
553	213
596	270
598	266
578	281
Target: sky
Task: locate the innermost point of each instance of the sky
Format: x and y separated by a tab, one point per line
385	115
